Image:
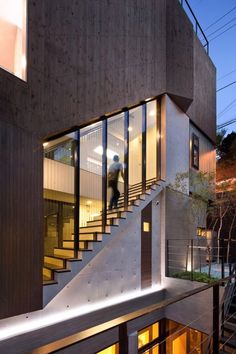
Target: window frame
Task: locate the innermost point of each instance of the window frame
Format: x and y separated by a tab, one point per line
195	149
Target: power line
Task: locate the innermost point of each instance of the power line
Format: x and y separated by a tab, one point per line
225	124
222	77
224	87
229	106
227	110
218	29
220	18
222	33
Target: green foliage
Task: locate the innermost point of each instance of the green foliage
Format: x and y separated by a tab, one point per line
226	146
202	185
197	276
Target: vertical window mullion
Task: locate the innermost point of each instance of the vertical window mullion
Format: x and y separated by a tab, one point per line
77	191
126	159
104	174
158	138
144	146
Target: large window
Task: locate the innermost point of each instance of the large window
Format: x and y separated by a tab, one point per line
13	36
148	335
114	349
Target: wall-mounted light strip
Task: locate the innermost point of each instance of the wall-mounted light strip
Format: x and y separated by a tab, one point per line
21	324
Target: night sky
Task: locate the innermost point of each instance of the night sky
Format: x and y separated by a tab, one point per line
222	50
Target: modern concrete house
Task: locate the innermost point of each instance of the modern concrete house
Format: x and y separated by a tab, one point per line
82	83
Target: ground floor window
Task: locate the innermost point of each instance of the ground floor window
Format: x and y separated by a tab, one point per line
114	349
147	336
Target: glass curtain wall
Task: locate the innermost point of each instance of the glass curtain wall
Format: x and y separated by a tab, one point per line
77	173
59	198
135	148
151	141
91	151
115	160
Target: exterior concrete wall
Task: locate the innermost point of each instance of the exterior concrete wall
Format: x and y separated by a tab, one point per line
86	59
179	220
176	135
203	110
179	55
116	269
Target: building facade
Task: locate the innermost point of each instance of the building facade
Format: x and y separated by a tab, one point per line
80	83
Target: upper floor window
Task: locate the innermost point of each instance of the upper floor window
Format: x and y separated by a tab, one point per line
195	151
13	36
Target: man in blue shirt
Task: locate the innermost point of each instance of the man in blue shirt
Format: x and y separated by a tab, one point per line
113	176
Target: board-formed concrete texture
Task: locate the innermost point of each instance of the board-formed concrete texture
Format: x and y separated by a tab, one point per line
203	110
86	59
89	58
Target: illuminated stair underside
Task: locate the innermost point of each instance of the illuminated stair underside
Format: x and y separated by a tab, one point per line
63	266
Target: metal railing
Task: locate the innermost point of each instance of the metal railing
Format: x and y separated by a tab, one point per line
196	25
187	258
210	344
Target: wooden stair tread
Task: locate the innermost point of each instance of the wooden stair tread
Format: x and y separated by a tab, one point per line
135	196
85	240
51	266
230	326
52	256
70	249
49	282
64	258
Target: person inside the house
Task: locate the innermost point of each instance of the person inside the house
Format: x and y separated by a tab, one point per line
115	169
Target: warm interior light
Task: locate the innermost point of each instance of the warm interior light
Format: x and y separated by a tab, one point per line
130	129
89	202
13	36
110	153
146	226
45	144
23	62
152	113
96	162
95	215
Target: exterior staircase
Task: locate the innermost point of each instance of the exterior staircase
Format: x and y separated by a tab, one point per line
63	265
